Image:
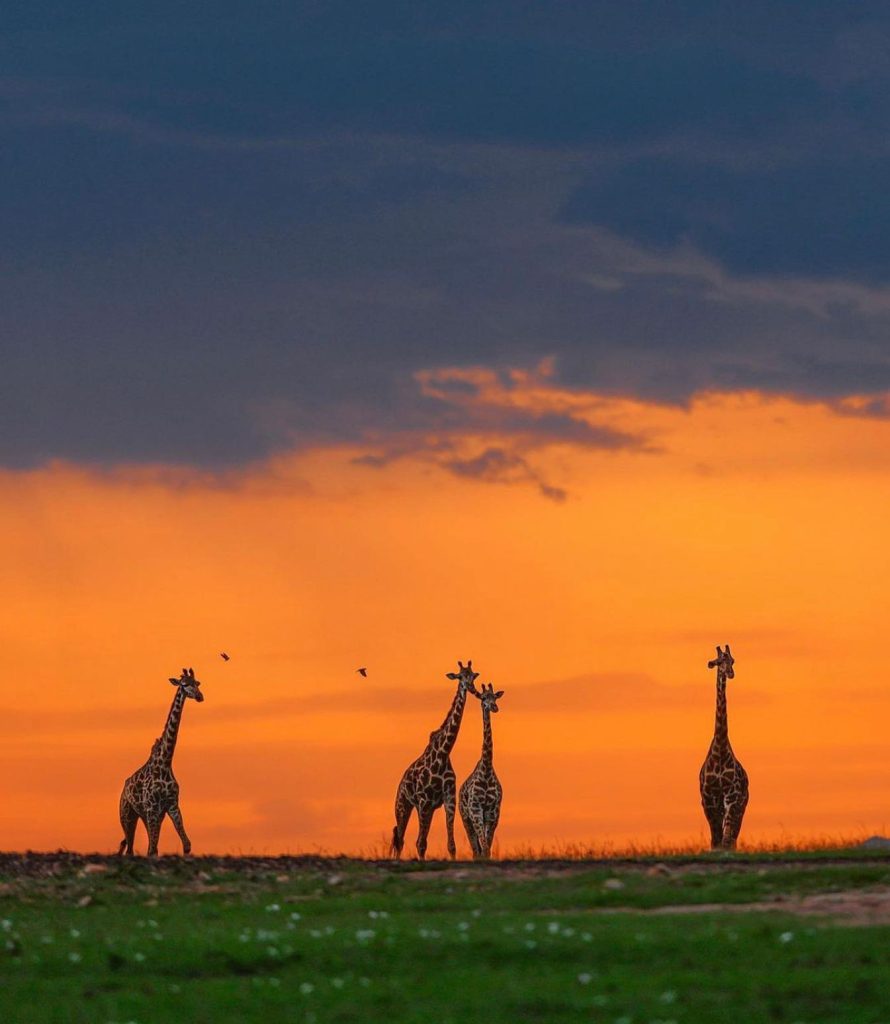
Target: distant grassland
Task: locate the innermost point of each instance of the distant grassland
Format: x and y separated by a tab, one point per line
801	937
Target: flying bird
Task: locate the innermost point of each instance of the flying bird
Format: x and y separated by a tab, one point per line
224	656
362	671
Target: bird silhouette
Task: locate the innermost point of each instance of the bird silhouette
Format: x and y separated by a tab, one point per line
224	656
362	671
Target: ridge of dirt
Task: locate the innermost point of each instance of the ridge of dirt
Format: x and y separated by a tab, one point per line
847	906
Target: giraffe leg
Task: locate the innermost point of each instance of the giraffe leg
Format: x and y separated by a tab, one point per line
403	813
712	805
716	826
153	827
425	819
449	797
129	821
176	817
732	823
491	824
466	817
481	851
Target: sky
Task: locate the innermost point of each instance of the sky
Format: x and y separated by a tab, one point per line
552	336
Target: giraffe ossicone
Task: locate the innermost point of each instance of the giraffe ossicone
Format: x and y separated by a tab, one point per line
152	792
723	782
429	783
481	793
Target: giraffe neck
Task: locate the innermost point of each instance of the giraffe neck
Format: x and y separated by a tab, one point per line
171	729
448	730
721	725
487	744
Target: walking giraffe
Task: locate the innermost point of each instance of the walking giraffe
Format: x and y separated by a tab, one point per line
152	791
429	781
722	780
480	795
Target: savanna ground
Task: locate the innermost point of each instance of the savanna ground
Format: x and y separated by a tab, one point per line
799	937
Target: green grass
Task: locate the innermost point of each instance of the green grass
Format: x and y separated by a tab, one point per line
343	941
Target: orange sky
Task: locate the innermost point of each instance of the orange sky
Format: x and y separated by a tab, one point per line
757	521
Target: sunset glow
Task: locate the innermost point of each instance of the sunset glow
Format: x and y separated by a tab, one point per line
756	519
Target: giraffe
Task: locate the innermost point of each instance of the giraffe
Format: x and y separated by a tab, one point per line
152	790
480	795
723	781
429	781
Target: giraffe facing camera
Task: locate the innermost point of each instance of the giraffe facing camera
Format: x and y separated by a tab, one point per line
466	675
488	697
429	782
480	796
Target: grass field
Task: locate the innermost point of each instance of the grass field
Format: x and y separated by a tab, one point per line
745	938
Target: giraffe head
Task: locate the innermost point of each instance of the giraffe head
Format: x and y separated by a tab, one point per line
466	677
489	697
190	685
723	663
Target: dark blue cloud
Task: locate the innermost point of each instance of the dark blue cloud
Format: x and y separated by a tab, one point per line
826	217
231	231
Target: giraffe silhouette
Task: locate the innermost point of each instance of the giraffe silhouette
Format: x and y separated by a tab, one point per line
722	780
152	791
480	795
429	782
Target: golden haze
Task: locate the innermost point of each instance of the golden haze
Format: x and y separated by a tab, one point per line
757	521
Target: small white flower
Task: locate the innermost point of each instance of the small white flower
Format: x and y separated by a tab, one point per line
553	927
668	997
273	908
365	934
139	957
75	958
74	933
306	987
476	913
274	982
530	944
6	924
337	982
786	936
295	916
529	927
272	951
462	926
586	937
584	978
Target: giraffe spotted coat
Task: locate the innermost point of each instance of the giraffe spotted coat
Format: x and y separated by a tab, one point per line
723	781
481	793
152	792
429	781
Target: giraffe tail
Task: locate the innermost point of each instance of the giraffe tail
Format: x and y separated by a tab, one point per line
395	847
